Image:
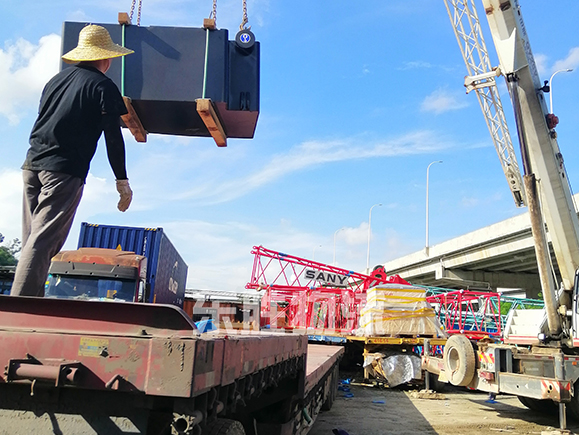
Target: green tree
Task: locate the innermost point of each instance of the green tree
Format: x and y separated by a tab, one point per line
7	253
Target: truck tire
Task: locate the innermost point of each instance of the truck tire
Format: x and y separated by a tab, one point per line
435	383
459	360
573	405
224	426
545	406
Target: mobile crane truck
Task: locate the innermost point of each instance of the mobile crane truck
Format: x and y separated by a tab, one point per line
541	367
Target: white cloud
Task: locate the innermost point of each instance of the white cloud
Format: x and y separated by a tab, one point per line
99	196
396	246
312	154
180	12
10	203
469	202
211	266
79	15
24	70
416	65
354	236
441	101
352	248
541	61
571	61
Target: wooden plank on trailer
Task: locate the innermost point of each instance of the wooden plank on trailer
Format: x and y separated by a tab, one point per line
133	122
124	19
209	23
211	120
403	340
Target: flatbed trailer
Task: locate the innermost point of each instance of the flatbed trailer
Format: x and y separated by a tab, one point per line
320	390
90	367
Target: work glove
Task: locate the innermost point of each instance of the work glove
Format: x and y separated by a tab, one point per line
126	194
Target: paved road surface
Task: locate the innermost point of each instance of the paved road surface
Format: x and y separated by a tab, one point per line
461	412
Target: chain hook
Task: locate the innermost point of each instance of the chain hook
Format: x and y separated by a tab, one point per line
133	4
244	20
213	13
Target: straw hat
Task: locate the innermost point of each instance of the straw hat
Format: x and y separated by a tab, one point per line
94	43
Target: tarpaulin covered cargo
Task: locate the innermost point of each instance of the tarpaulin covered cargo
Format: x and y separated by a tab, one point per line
395	368
172	67
166	270
398	310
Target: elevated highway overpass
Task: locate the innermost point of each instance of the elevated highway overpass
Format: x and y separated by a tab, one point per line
501	255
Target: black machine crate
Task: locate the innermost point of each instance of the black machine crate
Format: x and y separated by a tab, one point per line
169	70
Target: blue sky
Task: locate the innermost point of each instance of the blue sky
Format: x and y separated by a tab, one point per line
357	98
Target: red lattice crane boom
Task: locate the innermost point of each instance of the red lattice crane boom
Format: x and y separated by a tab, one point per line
301	293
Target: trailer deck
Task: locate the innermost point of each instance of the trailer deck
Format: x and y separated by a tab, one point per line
76	366
320	360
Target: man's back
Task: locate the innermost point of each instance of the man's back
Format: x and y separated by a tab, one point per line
69	123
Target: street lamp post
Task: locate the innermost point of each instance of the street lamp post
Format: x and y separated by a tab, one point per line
427	176
314	255
551	87
369	232
335	233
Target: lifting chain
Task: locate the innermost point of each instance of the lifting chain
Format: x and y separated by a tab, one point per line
213	13
138	11
244	21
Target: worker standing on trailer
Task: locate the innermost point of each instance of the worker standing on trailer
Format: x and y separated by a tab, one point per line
77	105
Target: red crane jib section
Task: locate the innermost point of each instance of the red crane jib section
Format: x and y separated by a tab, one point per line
306	294
472	313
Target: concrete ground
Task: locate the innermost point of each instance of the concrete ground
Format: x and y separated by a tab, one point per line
373	411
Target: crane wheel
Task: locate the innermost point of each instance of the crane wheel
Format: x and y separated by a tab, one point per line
459	360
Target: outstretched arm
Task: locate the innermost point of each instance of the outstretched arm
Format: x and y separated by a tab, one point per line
116	154
115	146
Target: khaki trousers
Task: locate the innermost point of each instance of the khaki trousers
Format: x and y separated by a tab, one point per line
49	205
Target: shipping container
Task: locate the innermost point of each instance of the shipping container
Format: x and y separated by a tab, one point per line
166	270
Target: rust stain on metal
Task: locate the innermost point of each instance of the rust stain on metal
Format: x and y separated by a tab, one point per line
171	368
169	347
126	356
181	347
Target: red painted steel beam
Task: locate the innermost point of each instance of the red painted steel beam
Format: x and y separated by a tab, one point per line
357	281
152	349
106	318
